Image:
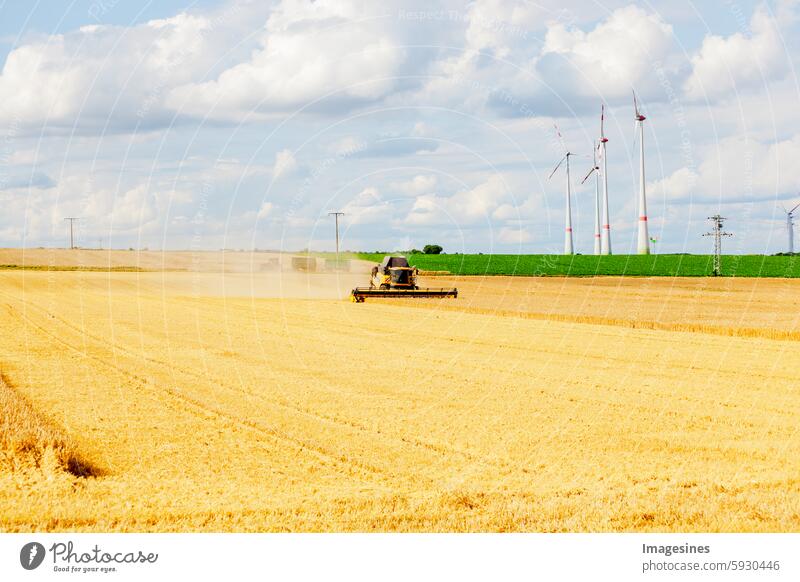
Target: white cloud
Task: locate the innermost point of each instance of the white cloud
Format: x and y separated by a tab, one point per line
680	185
511	235
421	129
738	61
616	55
527	209
308	50
26	157
737	169
347	146
498	25
265	209
105	76
367	207
463	208
130	210
183	37
37	81
285	163
100	72
420	184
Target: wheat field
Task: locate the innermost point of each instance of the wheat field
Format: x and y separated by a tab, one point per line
163	401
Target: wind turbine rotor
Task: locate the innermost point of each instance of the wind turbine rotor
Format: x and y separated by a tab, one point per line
639	116
594	169
603	138
558	165
561	139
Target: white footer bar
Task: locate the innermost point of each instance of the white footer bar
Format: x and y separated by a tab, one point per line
400	557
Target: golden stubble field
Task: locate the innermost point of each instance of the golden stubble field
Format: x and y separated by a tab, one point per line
208	402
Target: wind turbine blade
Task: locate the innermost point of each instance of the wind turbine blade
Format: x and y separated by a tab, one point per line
635	104
557	167
795	208
602	120
635	134
560	138
589	174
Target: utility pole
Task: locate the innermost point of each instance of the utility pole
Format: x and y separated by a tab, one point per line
71	220
717	233
336	216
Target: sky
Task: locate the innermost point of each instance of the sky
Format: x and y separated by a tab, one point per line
241	124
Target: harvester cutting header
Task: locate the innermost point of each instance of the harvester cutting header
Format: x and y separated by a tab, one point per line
394	277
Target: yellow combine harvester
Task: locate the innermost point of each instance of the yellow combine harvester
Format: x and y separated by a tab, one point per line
394	277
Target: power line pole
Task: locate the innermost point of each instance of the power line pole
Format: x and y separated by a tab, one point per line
717	233
336	216
72	220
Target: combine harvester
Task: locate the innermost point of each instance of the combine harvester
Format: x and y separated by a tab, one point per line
396	278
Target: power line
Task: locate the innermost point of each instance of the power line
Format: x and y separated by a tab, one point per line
717	233
71	220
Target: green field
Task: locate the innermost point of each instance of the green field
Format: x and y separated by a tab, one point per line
590	265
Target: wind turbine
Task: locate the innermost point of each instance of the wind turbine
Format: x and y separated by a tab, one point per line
790	225
568	248
605	235
643	240
595	168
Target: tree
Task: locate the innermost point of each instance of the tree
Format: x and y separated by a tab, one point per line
432	249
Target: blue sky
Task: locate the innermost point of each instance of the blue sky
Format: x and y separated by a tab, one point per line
60	16
242	124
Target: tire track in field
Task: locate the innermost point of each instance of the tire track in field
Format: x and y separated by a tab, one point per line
707	370
366	469
436	448
199	406
697	400
710	329
441	450
700	404
606	357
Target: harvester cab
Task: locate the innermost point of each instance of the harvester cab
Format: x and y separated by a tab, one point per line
394	277
394	273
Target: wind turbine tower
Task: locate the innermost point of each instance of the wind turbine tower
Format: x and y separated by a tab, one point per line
643	240
596	168
568	248
605	234
790	226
